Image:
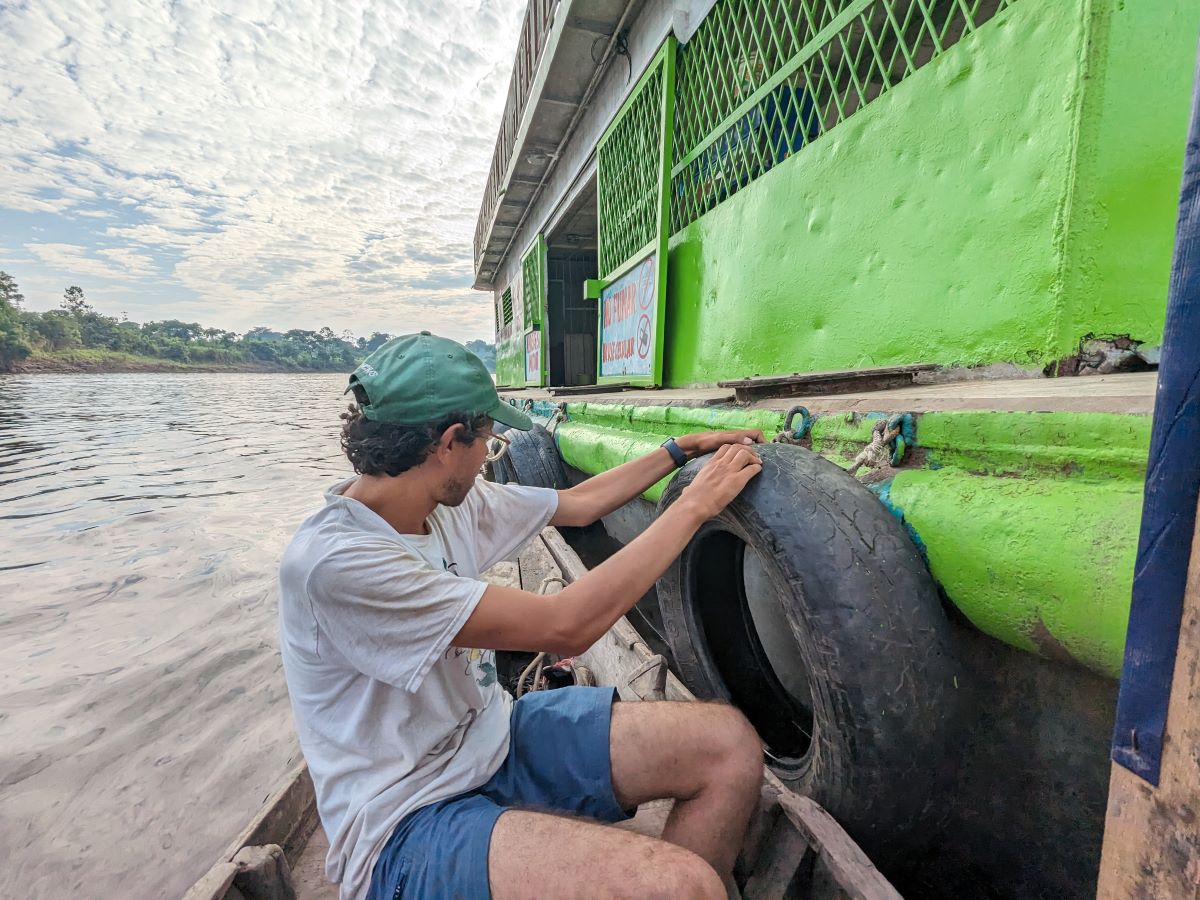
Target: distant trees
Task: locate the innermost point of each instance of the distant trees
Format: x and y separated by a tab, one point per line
369	345
485	351
14	345
74	302
77	325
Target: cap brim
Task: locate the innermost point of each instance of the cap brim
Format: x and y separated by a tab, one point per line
510	416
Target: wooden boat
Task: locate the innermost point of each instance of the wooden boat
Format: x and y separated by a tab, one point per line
794	847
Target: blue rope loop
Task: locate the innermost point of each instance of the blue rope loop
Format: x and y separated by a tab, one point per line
806	422
907	435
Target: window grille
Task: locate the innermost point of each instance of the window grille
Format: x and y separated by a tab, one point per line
506	306
629	175
759	80
533	281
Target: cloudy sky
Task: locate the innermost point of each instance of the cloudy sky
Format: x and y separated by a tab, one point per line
290	163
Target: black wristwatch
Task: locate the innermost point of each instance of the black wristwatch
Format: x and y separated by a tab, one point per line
676	454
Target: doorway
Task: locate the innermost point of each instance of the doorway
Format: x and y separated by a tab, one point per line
572	320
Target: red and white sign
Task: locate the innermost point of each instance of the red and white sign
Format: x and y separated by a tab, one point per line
628	310
533	357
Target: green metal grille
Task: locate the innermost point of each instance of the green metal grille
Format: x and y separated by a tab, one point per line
533	281
759	81
629	176
506	306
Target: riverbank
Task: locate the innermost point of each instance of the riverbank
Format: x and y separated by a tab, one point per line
101	362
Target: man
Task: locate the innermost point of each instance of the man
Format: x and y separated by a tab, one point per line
431	782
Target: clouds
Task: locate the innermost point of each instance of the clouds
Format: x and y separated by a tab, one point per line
291	163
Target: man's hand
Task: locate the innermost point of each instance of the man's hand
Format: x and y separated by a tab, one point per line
721	479
707	441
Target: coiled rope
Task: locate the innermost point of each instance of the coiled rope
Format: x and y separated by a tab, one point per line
538	662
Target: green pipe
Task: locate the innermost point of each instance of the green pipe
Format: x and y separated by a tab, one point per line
1029	520
1044	564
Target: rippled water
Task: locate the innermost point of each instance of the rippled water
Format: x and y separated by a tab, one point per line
143	717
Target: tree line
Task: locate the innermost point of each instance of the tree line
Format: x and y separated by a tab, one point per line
77	325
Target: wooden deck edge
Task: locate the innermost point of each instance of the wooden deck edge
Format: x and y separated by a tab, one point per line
287	818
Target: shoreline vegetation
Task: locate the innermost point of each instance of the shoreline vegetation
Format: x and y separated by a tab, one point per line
75	338
99	362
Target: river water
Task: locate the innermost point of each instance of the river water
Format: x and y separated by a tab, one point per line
143	715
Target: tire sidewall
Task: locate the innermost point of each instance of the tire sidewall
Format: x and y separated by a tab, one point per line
869	630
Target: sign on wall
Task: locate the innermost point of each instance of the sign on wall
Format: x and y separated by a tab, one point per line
533	357
628	314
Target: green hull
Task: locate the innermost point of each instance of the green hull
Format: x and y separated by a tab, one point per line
1029	521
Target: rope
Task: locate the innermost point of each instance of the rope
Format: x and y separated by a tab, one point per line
495	455
889	440
536	664
539	660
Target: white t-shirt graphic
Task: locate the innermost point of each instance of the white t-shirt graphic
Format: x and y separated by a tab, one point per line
390	716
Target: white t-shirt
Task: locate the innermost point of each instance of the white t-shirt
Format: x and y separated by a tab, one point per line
390	716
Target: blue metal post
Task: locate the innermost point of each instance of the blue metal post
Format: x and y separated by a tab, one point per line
1172	486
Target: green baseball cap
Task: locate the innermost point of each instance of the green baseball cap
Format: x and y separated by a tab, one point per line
416	379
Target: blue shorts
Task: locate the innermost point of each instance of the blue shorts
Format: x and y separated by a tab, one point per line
558	761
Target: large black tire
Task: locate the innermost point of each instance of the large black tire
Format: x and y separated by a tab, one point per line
532	459
829	635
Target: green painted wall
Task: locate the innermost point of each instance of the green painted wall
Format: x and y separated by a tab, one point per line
1029	520
1045	564
998	204
1120	221
510	357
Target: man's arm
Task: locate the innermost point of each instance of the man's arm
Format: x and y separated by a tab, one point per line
571	621
601	494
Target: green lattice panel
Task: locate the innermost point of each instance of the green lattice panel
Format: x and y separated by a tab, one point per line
629	180
760	81
533	281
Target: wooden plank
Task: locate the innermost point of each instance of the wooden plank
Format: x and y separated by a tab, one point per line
214	884
852	869
569	390
309	871
505	574
287	818
782	851
1152	835
818	383
537	565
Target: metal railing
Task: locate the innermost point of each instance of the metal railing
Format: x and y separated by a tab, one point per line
539	16
629	175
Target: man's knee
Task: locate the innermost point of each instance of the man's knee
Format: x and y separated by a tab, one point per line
684	874
737	746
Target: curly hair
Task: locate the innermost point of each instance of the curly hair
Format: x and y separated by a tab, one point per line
381	448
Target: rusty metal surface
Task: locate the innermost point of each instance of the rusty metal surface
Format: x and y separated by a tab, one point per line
821	383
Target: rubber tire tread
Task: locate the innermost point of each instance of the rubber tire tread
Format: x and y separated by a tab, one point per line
532	459
870	630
